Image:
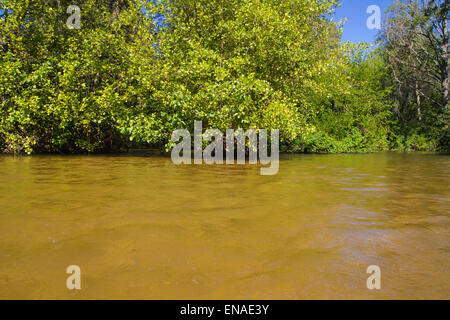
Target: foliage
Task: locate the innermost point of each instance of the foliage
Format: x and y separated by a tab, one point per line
416	50
138	70
65	90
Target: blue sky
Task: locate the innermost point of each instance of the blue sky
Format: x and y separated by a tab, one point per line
355	11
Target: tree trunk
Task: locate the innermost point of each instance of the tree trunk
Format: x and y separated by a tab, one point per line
419	111
445	90
416	83
445	70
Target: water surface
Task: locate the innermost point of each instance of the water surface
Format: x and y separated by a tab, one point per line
142	228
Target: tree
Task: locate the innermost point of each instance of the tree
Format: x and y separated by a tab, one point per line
416	43
244	64
64	90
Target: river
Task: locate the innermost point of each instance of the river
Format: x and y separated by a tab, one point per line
140	227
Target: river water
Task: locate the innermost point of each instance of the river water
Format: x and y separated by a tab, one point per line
140	227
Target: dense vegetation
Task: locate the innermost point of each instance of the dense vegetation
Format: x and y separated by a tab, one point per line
137	70
416	52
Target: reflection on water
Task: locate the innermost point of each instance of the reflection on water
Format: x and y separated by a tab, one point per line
142	228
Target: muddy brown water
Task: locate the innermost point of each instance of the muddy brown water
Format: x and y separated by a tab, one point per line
140	227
